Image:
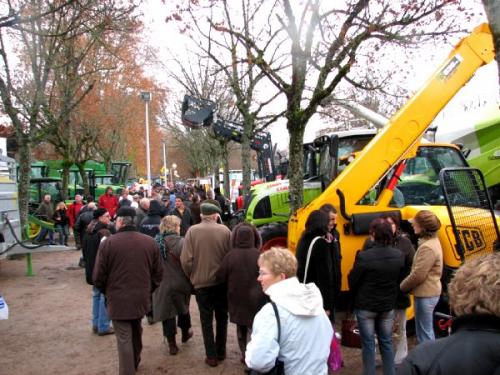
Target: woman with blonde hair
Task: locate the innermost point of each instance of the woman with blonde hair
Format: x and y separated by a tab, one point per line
171	299
474	345
294	327
61	222
424	280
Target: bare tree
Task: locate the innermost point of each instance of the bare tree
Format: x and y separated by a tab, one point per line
233	60
310	49
205	151
84	54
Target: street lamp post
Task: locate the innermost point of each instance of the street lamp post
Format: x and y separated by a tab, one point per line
172	171
146	97
165	162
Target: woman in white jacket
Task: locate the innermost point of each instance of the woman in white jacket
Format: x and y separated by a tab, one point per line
306	331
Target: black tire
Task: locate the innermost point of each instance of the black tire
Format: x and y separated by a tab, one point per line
273	235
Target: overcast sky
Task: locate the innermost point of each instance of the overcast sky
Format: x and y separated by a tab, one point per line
481	91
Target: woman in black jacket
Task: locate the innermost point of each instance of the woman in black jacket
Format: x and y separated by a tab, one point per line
403	244
374	282
150	225
320	270
61	222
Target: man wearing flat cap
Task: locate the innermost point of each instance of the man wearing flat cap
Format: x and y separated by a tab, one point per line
128	269
205	246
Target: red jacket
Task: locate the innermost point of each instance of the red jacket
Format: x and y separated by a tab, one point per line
72	212
109	202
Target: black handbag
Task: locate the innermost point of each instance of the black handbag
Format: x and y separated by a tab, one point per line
279	366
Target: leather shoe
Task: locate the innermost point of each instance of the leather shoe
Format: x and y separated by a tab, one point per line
109	331
212	362
94	329
221	357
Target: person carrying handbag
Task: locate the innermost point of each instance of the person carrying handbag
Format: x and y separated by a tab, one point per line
315	251
303	323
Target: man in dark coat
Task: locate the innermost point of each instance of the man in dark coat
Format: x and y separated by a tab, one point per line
183	213
83	219
97	231
240	270
128	269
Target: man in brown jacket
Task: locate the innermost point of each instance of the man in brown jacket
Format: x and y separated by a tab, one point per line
127	270
205	246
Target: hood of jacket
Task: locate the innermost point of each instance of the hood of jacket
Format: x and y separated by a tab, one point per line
300	299
245	236
95	225
154	208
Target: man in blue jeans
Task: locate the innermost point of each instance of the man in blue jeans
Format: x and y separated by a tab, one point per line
45	212
96	232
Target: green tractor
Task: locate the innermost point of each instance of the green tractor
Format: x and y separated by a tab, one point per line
268	205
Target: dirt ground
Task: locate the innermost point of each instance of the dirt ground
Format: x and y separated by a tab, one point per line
49	328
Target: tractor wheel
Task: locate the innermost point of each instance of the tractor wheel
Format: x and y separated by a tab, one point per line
273	235
33	230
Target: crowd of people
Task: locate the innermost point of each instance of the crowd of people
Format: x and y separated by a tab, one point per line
146	256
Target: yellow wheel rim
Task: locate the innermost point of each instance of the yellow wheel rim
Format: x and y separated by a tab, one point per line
33	230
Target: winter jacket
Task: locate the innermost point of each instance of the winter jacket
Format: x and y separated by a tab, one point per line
83	220
240	270
150	225
472	349
186	219
195	212
127	270
404	245
306	331
424	279
173	295
109	202
375	277
60	218
73	211
337	262
45	212
92	238
140	214
321	271
204	248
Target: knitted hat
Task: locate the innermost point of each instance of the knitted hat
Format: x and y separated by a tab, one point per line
125	211
99	212
210	207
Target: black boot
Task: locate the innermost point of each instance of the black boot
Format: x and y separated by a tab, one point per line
172	345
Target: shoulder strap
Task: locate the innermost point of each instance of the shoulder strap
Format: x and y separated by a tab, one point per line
276	313
309	257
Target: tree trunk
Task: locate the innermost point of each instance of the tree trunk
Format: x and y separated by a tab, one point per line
24	178
215	172
492	8
65	180
107	163
246	156
225	163
295	168
85	180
